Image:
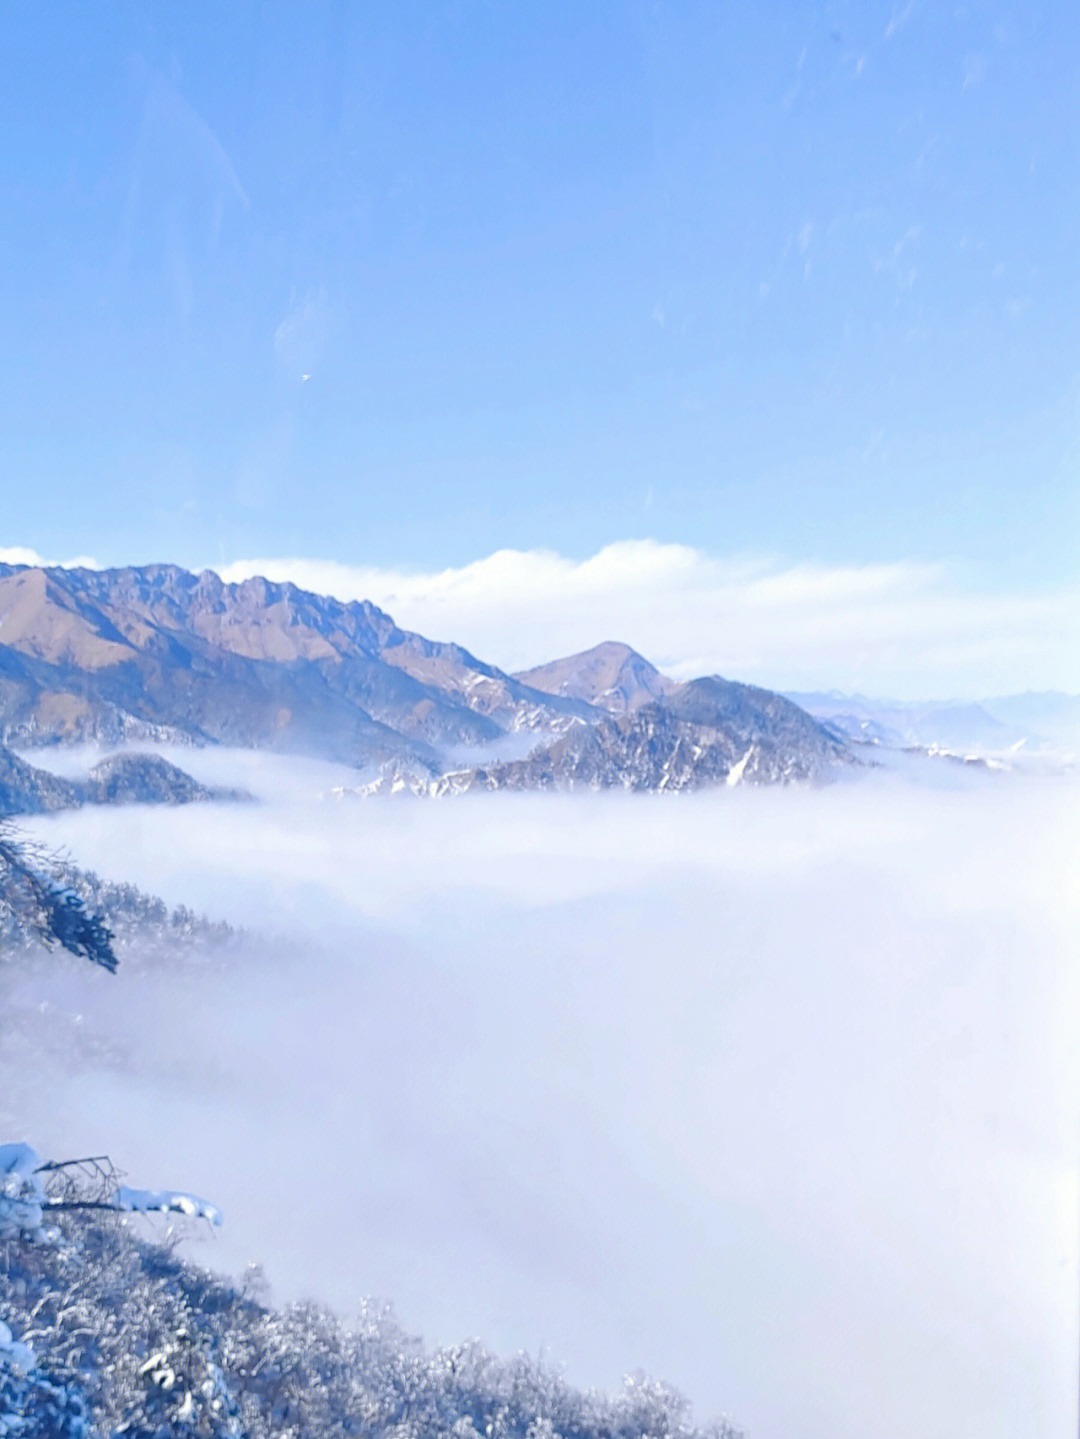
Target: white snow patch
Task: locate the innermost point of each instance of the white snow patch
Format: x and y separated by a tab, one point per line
165	1201
735	773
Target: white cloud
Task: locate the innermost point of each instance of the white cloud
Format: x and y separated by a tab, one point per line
898	19
771	1093
905	628
22	555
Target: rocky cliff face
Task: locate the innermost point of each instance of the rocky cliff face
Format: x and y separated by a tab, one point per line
158	653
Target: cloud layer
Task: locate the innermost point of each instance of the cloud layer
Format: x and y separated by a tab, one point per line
23	555
905	628
772	1094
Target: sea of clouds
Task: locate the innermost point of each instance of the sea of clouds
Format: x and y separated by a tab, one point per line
773	1094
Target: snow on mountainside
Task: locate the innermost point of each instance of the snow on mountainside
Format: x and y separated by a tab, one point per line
157	652
184	1352
117	779
25	789
709	732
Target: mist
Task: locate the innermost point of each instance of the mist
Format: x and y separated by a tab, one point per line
773	1094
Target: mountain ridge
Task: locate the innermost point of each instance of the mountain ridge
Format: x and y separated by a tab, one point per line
1047	721
159	653
109	654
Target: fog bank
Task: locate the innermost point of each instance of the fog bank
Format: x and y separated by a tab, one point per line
773	1094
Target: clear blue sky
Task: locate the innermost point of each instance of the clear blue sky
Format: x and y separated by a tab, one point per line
797	279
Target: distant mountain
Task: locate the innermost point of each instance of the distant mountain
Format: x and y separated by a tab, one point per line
1050	717
119	779
158	653
147	779
611	675
710	732
994	726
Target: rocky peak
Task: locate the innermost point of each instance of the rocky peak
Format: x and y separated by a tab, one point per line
611	675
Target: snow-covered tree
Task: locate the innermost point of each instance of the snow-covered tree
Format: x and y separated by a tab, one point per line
43	1391
32	1190
53	912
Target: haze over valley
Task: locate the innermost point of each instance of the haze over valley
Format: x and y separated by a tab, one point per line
764	1072
539	721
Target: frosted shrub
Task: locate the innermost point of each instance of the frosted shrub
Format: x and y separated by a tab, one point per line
105	1334
22	1192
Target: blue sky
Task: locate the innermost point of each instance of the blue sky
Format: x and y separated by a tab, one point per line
795	282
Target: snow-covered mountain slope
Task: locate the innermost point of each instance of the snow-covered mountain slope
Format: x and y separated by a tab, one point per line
118	779
126	1337
156	652
711	732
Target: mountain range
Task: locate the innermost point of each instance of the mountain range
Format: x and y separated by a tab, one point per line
1037	723
157	654
707	732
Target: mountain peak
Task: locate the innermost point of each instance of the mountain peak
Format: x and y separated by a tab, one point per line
611	675
156	652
